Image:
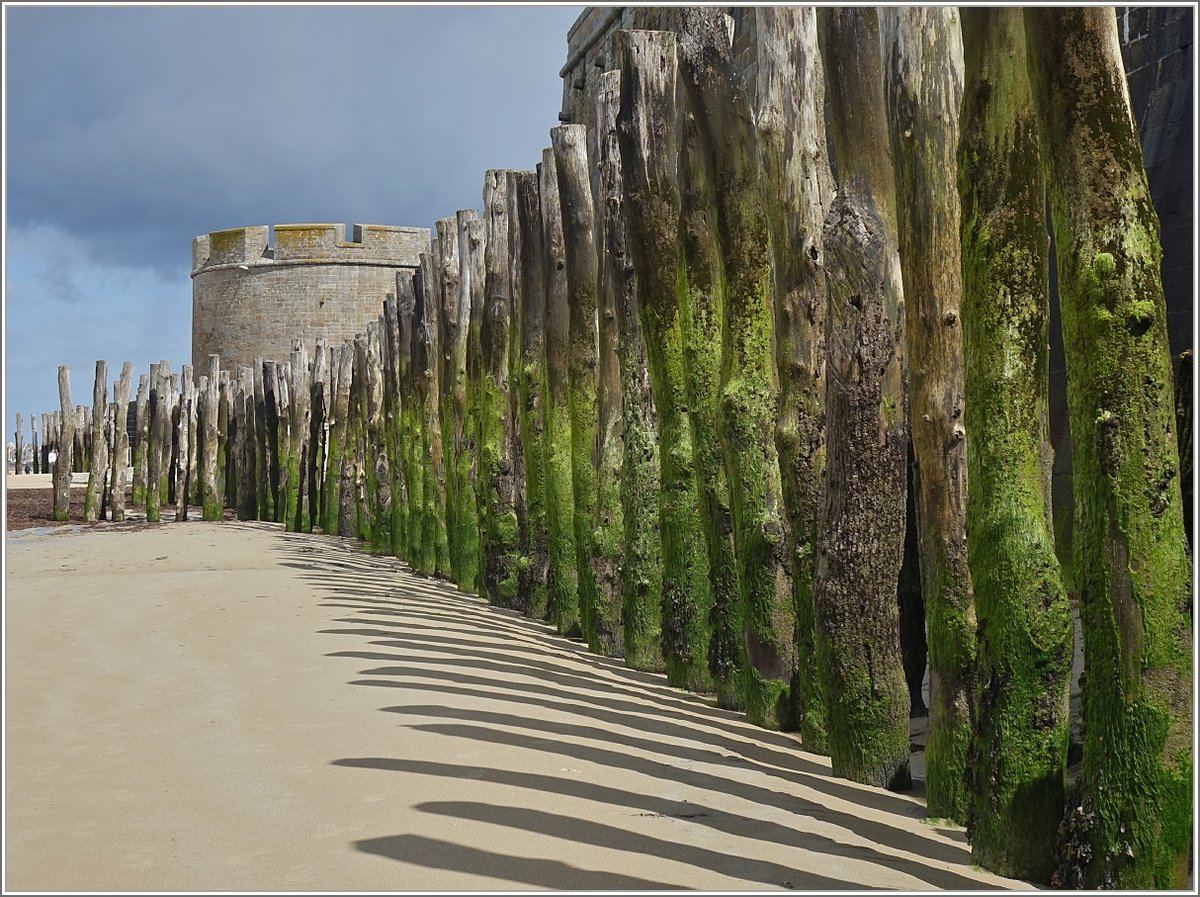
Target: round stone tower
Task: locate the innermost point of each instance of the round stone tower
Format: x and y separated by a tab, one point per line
252	299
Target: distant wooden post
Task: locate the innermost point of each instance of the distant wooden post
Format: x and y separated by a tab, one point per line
184	440
34	448
193	453
66	446
49	434
141	438
225	455
82	439
120	453
208	440
19	445
156	408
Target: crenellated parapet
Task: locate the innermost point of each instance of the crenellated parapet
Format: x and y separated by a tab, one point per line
309	244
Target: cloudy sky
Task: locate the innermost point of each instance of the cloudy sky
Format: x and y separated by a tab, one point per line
131	130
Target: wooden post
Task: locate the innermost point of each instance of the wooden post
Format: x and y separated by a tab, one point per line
19	445
208	441
141	439
447	296
193	454
532	273
110	414
461	516
648	135
497	495
247	476
798	188
183	441
407	441
471	243
392	427
66	446
226	482
263	450
49	434
434	556
346	511
83	439
120	455
573	187
155	429
558	461
315	469
862	523
628	546
34	448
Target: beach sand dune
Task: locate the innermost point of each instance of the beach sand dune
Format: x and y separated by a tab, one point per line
229	707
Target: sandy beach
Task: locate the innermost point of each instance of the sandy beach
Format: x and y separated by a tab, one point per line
227	706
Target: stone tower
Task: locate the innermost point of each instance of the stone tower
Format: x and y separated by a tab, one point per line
250	298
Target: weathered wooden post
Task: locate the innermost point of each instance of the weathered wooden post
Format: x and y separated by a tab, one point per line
923	90
1132	818
110	415
120	454
702	310
156	406
339	498
378	470
862	522
469	237
19	445
434	556
392	426
648	135
556	373
498	443
83	439
315	469
628	537
49	434
263	450
193	451
66	446
183	441
247	471
208	440
574	189
1016	765
527	262
798	188
447	296
141	439
34	447
226	478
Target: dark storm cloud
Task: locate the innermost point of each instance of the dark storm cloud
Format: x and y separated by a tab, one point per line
134	129
131	130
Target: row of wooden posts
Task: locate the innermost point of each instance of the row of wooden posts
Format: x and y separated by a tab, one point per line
664	401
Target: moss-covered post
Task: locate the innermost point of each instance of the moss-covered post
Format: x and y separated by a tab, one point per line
434	557
265	423
498	440
319	404
156	428
410	446
1132	569
701	299
634	425
446	278
379	476
862	520
465	387
1184	413
211	499
98	462
718	97
66	446
574	191
563	602
300	393
341	504
615	277
141	438
182	421
922	47
225	455
527	254
798	188
648	136
247	501
1018	752
397	494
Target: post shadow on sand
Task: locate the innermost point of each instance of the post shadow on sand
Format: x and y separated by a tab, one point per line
379	587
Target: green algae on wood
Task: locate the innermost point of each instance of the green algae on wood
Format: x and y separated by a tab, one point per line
923	88
527	208
498	441
718	97
1018	749
582	267
563	604
468	235
797	187
649	142
1131	559
862	521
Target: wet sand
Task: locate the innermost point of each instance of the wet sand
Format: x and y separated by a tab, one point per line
229	707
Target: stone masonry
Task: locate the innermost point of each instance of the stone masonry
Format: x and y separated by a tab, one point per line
251	299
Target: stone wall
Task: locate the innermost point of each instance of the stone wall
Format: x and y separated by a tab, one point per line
250	298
